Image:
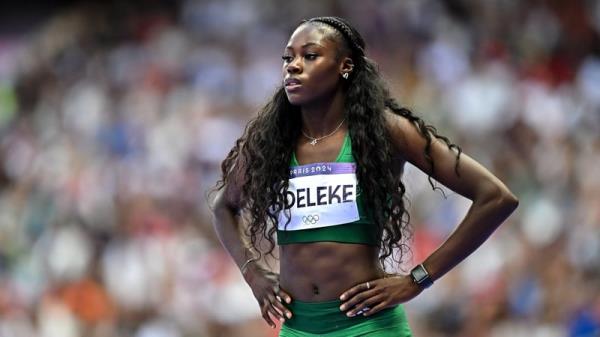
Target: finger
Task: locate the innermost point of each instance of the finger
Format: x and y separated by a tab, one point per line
376	309
276	302
277	308
358	288
276	315
358	298
268	319
285	296
265	314
365	306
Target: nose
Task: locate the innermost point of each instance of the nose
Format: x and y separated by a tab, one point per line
294	66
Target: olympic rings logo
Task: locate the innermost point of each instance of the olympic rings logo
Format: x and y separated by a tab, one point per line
310	219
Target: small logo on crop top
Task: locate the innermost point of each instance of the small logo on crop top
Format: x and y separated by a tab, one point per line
310	219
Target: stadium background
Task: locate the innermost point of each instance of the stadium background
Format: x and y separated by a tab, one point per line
115	115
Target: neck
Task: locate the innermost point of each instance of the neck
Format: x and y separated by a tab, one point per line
320	118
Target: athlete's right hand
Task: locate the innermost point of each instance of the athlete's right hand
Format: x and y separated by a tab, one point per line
265	287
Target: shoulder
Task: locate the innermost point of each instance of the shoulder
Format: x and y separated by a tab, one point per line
235	177
405	135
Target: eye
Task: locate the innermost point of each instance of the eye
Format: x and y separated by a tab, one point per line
287	58
310	56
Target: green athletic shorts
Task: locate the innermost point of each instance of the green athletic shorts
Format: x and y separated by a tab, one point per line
325	319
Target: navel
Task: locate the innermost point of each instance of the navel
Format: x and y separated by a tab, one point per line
315	289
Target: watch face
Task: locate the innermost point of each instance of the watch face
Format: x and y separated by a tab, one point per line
419	274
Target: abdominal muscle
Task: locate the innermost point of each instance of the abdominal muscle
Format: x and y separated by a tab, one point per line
322	271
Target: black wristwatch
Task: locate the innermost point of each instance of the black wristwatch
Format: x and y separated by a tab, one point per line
421	277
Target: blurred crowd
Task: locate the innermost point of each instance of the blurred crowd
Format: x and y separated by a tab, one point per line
114	119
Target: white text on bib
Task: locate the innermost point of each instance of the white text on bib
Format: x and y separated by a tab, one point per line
320	195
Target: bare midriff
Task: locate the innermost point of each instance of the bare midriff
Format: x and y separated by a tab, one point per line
322	271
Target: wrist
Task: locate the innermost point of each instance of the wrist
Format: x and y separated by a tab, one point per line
247	264
253	272
421	276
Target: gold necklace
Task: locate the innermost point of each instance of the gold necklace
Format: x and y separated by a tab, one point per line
313	140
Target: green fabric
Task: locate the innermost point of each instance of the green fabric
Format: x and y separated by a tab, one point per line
354	232
325	319
360	231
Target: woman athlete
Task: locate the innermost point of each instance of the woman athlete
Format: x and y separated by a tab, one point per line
321	167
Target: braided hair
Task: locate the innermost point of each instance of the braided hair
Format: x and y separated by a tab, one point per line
352	38
266	148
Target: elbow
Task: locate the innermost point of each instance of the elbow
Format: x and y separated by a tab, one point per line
500	197
506	200
509	201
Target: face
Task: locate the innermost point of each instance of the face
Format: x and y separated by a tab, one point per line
311	67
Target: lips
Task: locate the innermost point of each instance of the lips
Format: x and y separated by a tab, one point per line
292	82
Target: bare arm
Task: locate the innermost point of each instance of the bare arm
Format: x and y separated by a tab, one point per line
492	204
492	201
229	228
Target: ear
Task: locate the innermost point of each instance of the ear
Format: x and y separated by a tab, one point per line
347	65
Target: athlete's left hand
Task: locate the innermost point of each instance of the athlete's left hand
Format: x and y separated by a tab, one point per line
368	298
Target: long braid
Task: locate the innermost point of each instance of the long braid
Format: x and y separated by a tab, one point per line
391	218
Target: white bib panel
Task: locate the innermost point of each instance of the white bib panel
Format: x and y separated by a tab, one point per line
321	195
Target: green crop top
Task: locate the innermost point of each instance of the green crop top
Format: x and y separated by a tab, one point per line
326	203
